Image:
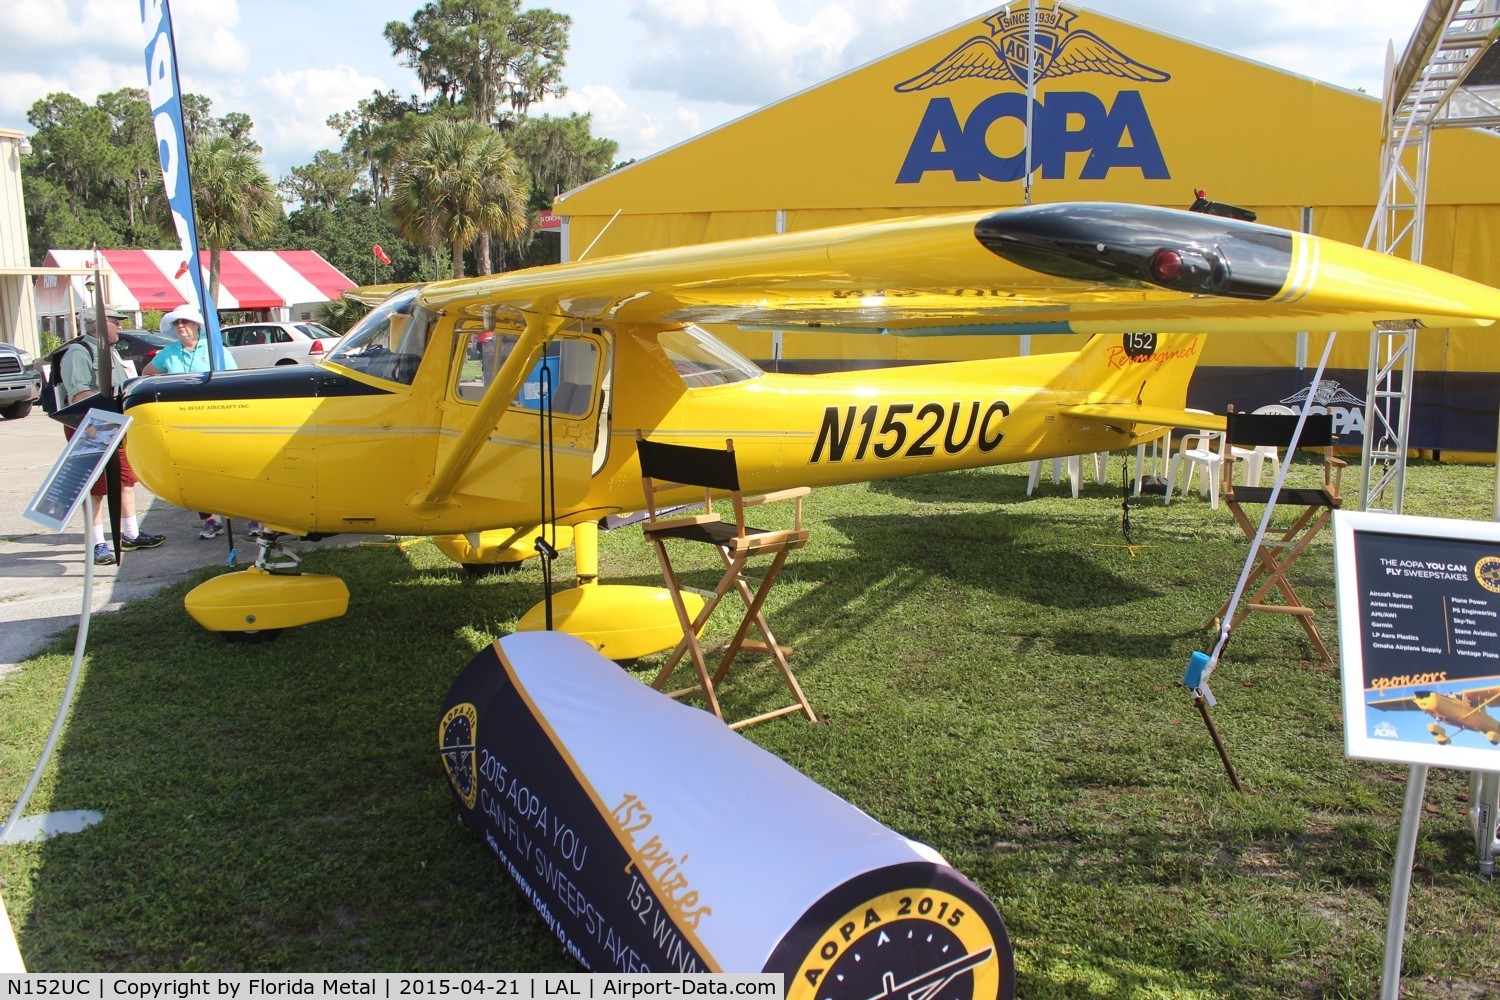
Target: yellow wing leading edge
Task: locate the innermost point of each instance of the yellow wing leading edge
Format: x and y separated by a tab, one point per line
1065	268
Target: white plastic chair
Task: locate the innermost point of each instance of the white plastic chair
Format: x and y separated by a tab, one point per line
1101	465
1256	458
1205	448
1075	473
1160	452
1074	465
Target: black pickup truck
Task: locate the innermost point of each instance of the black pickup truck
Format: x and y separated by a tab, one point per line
20	382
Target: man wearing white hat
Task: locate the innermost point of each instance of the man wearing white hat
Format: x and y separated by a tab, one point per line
189	354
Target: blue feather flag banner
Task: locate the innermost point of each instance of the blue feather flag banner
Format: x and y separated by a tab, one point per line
165	95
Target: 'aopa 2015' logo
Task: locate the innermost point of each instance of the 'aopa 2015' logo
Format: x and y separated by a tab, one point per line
1117	136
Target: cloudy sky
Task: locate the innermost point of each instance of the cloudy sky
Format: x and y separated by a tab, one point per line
652	72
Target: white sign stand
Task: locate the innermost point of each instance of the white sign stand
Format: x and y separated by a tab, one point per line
64	489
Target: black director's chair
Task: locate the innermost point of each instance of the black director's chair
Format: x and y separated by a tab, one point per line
670	466
1275	557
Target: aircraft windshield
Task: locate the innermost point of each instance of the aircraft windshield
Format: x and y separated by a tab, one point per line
389	342
703	360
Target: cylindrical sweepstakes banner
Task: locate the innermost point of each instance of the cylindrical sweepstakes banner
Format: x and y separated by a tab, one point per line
652	838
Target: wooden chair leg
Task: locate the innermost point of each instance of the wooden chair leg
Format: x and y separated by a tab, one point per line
1274	560
754	600
754	615
689	643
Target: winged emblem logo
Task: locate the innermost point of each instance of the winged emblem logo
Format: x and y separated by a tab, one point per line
1061	50
1329	393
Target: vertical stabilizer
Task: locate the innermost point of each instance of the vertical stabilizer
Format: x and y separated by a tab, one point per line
1146	369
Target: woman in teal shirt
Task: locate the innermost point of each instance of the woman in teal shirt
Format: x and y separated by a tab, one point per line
190	353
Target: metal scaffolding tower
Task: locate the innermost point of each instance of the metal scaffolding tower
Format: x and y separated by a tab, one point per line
1448	77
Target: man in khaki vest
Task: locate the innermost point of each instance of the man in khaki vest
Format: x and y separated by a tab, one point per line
80	380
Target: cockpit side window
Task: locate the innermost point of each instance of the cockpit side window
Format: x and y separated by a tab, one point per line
570	369
703	360
389	343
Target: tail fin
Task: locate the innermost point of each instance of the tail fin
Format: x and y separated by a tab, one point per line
1137	378
1147	369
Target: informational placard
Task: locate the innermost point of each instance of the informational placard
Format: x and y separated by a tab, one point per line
81	462
1419	633
650	837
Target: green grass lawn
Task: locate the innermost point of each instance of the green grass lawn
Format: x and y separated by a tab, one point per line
997	677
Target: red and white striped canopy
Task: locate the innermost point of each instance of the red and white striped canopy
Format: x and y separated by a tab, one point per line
137	280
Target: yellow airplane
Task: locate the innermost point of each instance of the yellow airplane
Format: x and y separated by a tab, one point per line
1460	709
426	420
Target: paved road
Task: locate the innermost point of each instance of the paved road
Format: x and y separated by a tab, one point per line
41	571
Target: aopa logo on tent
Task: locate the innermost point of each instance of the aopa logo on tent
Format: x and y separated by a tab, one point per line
1347	409
944	143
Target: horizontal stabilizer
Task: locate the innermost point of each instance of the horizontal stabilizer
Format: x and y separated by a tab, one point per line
1124	414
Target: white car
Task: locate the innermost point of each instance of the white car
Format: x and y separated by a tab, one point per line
263	345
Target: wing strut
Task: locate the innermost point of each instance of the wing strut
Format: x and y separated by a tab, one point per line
540	328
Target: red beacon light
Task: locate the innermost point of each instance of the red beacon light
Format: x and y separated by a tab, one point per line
1166	266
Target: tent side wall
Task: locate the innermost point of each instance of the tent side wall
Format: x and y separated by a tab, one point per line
904	136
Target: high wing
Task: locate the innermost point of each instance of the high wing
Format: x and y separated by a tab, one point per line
1480	697
1063	268
373	295
1407	704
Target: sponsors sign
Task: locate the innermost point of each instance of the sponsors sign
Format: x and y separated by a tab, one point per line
651	838
1419	631
74	472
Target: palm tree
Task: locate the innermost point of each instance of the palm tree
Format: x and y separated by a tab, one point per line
342	313
234	198
459	181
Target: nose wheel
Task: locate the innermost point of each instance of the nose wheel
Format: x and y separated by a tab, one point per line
273	554
255	605
251	637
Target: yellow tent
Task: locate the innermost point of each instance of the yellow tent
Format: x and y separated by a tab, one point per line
1121	113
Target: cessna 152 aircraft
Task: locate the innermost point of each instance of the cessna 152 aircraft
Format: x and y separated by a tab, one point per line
1460	709
426	418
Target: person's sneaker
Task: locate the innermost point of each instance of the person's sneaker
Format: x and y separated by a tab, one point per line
141	541
212	527
254	529
104	555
